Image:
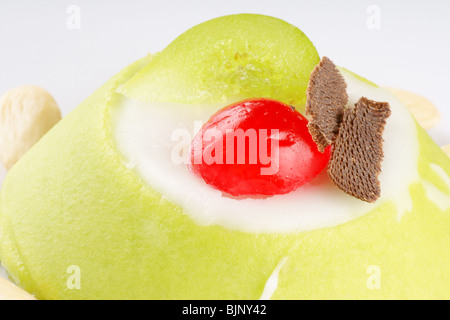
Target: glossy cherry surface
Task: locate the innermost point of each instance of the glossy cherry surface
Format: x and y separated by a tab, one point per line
256	147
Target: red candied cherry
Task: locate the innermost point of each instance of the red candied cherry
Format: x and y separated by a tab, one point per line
256	147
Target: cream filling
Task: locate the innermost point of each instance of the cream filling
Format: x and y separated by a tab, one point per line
272	283
435	195
149	138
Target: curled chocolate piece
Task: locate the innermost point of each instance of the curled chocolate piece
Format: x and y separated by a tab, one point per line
326	98
355	133
358	150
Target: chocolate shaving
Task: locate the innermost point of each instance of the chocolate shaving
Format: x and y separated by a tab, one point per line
326	98
358	150
355	133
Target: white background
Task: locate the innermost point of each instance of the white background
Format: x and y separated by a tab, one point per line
411	50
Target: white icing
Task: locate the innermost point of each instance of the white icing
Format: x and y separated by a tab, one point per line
441	173
435	195
272	283
404	204
144	137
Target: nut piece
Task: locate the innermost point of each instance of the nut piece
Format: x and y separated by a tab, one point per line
422	109
9	291
446	149
26	114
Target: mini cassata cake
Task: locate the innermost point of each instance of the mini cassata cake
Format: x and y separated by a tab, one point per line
234	164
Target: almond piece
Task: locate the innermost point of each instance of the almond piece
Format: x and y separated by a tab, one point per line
9	291
446	149
26	114
422	109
